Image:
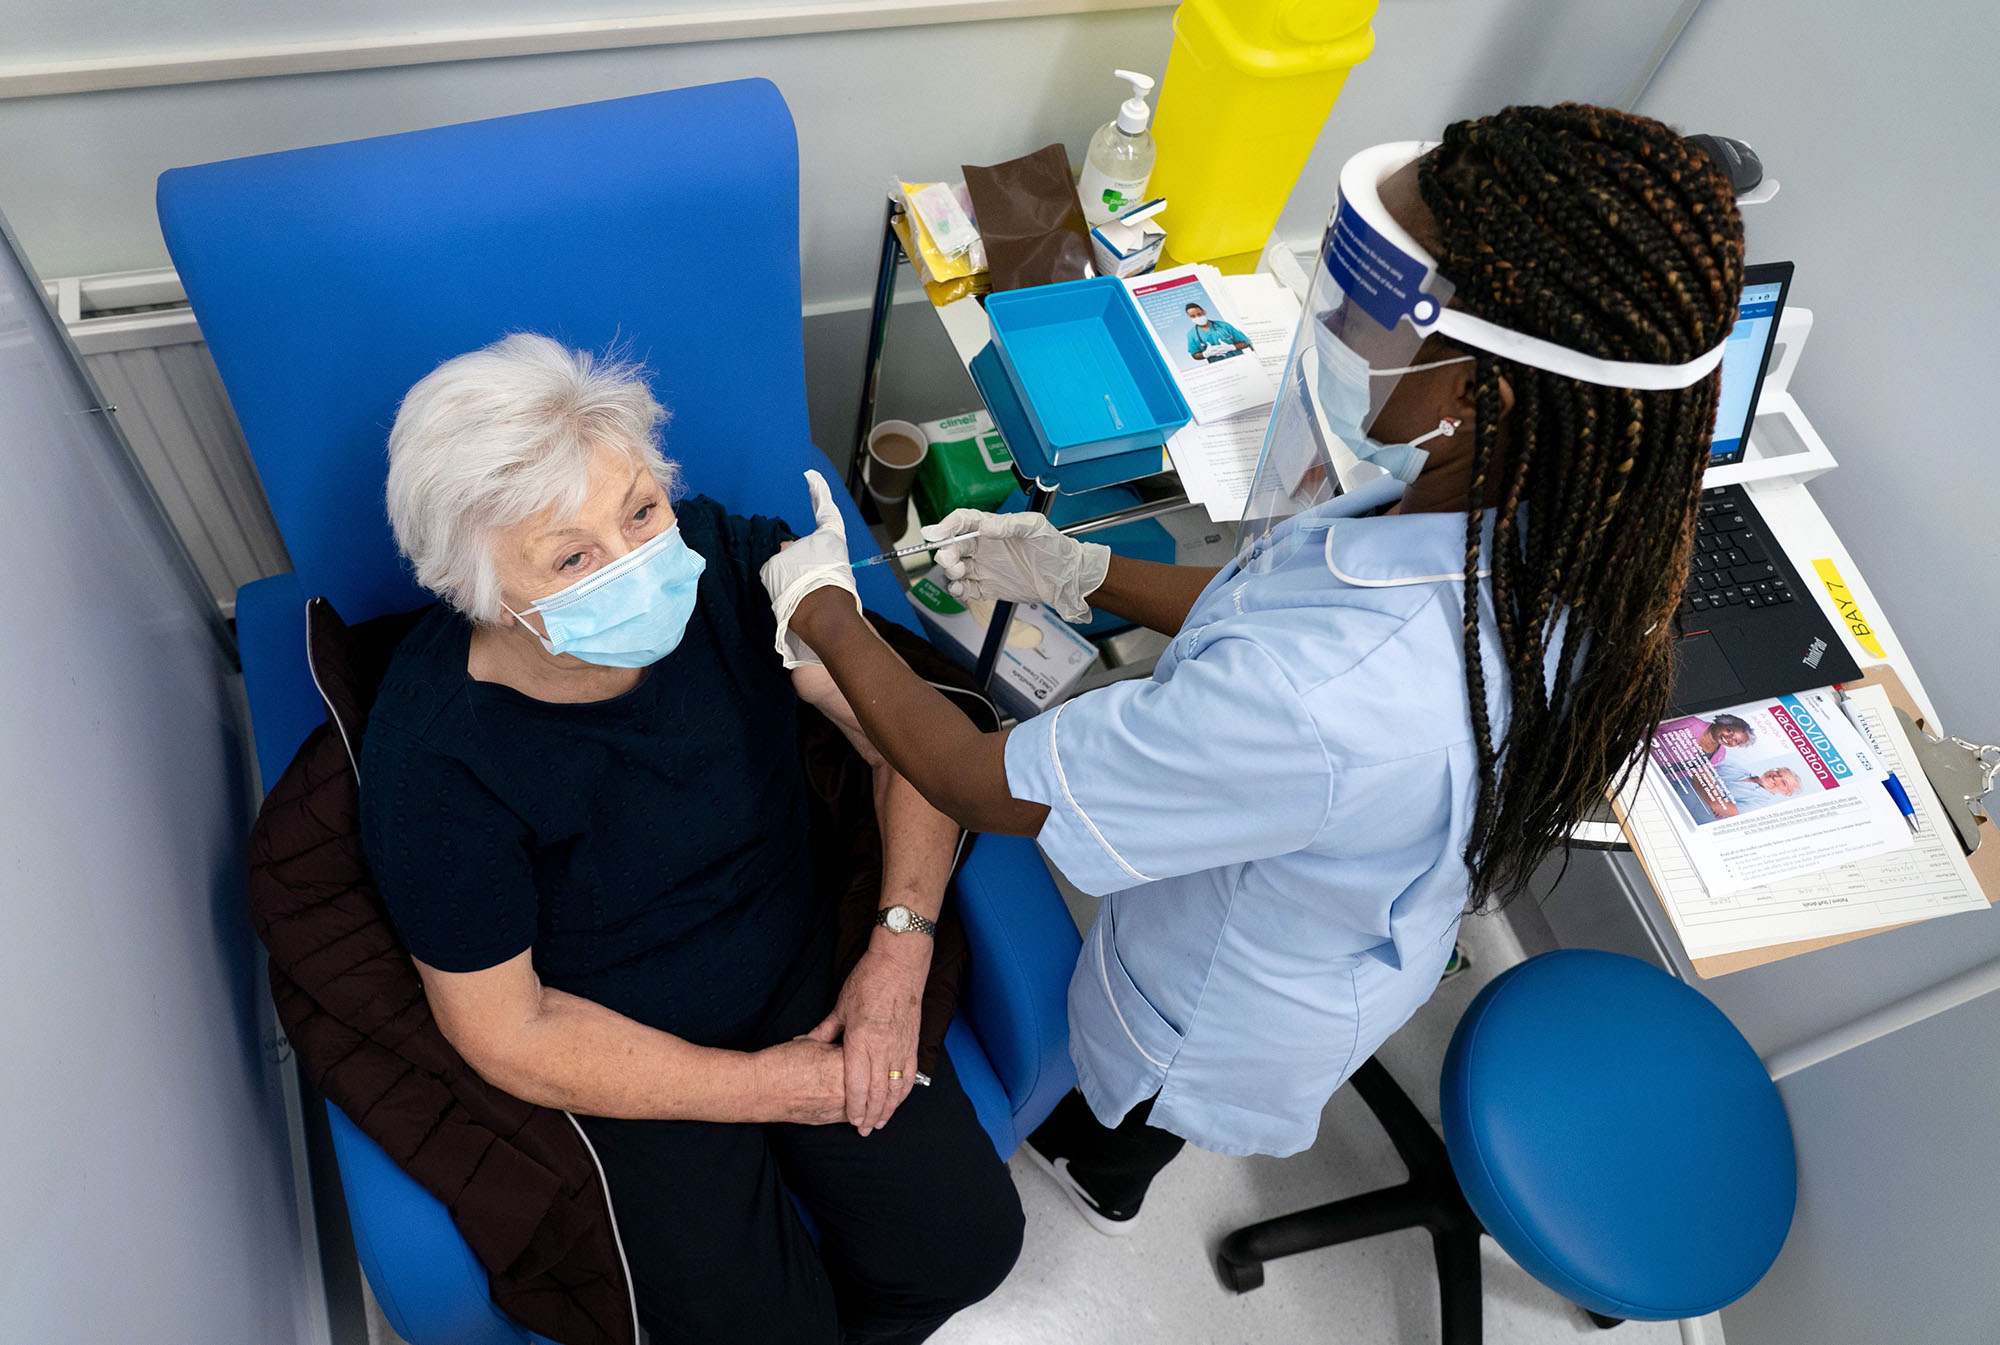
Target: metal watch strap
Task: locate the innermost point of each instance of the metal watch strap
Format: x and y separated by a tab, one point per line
917	924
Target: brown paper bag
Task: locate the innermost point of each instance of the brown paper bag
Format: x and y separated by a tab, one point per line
1030	219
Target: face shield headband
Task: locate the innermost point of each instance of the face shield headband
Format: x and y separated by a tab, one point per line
1383	270
1376	295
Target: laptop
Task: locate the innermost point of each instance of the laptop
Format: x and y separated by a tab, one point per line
1748	626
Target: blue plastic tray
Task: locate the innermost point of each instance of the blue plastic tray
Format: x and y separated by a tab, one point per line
1087	370
1031	454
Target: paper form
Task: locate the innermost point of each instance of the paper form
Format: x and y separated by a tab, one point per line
1918	883
1217	462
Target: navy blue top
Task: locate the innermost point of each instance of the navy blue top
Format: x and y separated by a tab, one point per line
650	848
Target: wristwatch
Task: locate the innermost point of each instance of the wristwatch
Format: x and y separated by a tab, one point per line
903	920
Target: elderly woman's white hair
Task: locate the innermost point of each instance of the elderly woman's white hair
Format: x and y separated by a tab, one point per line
492	438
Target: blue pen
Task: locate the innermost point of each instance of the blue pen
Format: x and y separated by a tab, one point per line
1895	788
1892	784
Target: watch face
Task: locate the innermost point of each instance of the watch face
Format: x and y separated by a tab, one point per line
897	918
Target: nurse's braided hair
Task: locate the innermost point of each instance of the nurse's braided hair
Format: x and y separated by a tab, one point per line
1609	234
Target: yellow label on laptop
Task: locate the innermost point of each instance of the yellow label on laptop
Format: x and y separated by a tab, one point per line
1849	609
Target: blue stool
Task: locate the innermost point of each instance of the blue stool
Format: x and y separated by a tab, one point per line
1605	1123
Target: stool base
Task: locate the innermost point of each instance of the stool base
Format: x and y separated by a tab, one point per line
1430	1199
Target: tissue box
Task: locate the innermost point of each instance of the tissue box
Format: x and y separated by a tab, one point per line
1041	663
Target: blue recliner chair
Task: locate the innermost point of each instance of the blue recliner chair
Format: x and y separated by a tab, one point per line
329	280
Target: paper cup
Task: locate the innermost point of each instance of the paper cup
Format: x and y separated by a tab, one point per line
896	448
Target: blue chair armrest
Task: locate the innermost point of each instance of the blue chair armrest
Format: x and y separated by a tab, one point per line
1024	948
431	1287
982	1086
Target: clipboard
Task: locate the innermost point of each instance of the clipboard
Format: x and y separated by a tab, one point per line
1984	862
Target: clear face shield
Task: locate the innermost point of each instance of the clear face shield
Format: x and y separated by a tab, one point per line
1375	298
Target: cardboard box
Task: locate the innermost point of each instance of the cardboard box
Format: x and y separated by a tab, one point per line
1043	660
1129	249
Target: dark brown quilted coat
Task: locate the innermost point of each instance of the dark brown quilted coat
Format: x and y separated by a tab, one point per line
518	1179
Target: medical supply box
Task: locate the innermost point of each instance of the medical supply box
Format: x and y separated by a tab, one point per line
1131	244
968	466
1041	663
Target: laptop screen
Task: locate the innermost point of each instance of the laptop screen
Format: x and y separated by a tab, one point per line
1745	356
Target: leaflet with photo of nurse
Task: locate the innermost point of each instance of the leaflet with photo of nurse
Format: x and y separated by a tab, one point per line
1203	349
1749	758
1189	323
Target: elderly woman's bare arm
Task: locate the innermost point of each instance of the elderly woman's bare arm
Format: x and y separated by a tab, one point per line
559	1050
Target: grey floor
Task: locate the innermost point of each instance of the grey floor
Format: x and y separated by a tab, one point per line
1074	1286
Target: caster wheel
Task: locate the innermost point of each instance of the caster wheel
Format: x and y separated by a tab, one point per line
1603	1323
1240	1279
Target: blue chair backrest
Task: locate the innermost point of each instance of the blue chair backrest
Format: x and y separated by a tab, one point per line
328	280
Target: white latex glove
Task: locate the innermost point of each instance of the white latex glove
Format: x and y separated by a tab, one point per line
1019	558
817	560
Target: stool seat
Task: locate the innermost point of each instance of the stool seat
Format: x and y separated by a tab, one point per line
1618	1136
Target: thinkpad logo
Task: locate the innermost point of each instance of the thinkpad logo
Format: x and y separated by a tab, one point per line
1811	660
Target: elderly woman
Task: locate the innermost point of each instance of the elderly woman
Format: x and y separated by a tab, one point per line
584	806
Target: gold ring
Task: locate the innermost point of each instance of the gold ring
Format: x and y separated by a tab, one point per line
895	1074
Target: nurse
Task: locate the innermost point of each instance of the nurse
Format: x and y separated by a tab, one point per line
1446	631
1212	338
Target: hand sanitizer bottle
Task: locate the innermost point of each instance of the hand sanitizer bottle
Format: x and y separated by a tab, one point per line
1121	156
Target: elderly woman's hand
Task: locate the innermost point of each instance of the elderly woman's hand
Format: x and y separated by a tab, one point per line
817	560
802	1082
876	1020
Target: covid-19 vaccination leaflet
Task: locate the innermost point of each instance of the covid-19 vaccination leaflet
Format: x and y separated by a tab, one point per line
1772	789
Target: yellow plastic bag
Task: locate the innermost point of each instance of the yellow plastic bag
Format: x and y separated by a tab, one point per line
938	268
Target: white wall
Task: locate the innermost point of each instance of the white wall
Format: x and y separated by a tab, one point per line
76	172
146	1187
1879	123
57	32
79	169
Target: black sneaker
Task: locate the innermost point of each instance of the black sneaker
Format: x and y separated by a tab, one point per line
1113	1223
1460	960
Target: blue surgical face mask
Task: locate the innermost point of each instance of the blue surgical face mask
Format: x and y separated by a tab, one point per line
629	614
1344	392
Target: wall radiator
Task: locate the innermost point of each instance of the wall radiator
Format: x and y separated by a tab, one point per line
139	338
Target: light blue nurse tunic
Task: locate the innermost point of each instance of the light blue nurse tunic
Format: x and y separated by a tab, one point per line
1277	820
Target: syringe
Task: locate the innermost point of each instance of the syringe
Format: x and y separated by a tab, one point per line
901	552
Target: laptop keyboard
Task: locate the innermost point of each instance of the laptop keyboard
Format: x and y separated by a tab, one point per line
1732	567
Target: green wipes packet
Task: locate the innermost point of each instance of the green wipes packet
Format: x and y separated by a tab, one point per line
968	466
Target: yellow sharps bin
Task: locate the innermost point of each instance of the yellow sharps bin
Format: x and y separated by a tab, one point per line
1249	84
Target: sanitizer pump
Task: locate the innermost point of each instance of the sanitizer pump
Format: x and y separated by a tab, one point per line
1121	156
